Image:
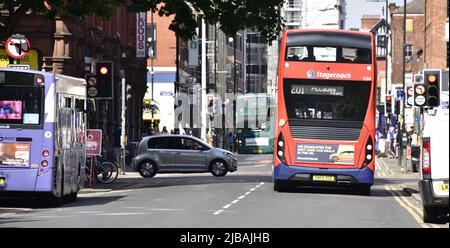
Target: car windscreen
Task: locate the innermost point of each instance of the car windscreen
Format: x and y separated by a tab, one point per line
325	101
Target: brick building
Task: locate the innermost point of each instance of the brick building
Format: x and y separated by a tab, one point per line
436	34
381	30
71	46
162	61
415	16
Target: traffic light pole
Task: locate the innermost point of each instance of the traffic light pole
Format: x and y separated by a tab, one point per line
402	142
123	133
203	66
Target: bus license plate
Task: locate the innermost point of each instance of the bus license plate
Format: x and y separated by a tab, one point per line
443	187
323	178
2	181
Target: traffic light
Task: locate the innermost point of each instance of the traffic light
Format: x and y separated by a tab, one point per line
397	107
432	83
104	76
388	104
128	92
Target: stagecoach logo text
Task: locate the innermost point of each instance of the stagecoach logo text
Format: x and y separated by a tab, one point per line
326	75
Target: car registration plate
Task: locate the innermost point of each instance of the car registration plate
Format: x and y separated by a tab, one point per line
443	187
2	181
323	178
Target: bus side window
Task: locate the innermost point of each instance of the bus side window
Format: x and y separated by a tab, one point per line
79	105
67	102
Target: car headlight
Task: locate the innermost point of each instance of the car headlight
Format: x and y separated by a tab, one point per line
230	155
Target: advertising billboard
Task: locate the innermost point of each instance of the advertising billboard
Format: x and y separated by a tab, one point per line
15	154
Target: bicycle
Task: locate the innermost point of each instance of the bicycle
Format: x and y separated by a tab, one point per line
106	172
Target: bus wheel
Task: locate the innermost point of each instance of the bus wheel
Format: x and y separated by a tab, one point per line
282	186
71	197
362	189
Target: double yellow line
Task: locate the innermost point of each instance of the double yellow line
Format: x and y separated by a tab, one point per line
403	201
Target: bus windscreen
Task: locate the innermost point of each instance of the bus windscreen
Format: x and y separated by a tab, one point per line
326	100
21	105
309	53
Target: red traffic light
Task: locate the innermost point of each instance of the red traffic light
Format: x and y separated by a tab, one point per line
388	98
104	70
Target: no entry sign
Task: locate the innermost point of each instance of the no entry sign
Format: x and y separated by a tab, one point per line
94	142
17	46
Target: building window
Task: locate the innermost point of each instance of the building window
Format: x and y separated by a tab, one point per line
409	25
151	34
381	45
408	51
381	41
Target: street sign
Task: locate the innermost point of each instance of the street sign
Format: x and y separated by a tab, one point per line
420	100
17	46
141	34
94	142
19	67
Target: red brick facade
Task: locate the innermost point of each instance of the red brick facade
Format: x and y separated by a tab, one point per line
436	44
414	38
166	41
68	46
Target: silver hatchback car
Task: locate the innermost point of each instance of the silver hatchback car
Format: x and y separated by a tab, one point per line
181	154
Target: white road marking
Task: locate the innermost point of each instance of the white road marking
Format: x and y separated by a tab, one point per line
239	198
218	212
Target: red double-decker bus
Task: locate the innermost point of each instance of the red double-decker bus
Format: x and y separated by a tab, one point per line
326	110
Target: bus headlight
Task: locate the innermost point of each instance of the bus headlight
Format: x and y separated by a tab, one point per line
280	148
369	152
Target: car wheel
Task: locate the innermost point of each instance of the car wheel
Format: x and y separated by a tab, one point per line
430	215
334	158
218	168
147	169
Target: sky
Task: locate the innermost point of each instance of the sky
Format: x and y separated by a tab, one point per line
357	8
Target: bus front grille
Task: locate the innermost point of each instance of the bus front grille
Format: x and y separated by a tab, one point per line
325	133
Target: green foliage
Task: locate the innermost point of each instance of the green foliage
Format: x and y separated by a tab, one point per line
231	15
49	9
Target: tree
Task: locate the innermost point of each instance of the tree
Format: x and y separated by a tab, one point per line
49	9
232	15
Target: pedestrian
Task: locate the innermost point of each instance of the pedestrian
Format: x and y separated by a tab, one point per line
164	131
377	138
392	140
231	141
